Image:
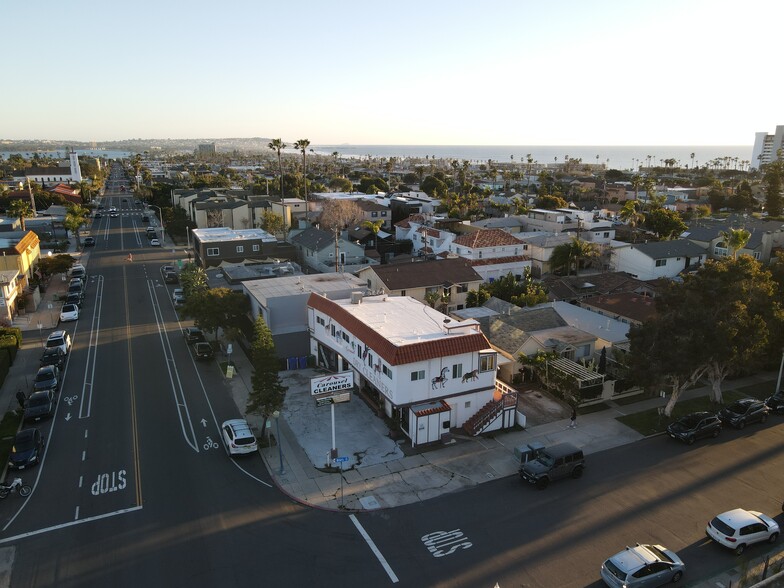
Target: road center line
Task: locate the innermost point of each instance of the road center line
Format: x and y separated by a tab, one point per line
374	549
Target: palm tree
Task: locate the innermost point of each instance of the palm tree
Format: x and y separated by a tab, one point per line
736	239
692	160
302	145
20	209
632	216
569	254
278	145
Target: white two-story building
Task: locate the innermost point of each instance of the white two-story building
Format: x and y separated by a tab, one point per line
424	370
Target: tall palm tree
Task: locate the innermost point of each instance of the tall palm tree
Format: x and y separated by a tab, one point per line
632	216
278	145
735	240
20	209
302	145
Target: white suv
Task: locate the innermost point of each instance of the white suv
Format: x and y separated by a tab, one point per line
238	438
60	340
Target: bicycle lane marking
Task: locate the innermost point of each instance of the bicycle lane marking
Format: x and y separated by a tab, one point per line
374	549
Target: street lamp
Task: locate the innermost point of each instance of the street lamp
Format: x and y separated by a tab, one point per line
163	228
276	414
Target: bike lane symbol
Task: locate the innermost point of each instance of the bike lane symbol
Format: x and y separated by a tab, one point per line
210	444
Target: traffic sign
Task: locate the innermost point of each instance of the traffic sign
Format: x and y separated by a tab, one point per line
340	459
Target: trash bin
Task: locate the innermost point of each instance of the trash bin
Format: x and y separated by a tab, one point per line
526	453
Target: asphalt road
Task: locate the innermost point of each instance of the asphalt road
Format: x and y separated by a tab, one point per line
136	489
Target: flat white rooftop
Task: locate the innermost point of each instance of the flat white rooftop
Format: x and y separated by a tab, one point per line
403	321
226	234
303	284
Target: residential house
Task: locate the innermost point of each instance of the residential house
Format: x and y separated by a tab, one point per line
766	236
576	288
423	370
20	252
283	304
11	290
451	279
319	251
221	244
659	259
627	307
373	212
538	247
219	212
291	210
493	253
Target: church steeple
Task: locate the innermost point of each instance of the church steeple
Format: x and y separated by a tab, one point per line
76	171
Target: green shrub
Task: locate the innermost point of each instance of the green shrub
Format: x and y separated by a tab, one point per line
5	365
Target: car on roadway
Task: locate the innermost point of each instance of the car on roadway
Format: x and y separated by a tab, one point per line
155	243
114	214
98	215
27	449
178	296
46	378
553	463
52	356
69	312
40	405
60	340
643	566
737	529
203	350
89	241
170	277
193	335
744	411
775	403
77	282
693	426
76	289
112	209
167	268
74	298
238	439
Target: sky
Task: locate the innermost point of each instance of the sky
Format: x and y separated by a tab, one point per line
426	72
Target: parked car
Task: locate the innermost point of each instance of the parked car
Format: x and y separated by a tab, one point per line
737	529
155	243
76	289
744	411
178	296
69	312
643	565
74	298
89	241
775	403
60	340
52	356
203	350
78	271
171	278
77	282
40	405
27	449
46	378
193	335
167	268
238	438
696	425
553	463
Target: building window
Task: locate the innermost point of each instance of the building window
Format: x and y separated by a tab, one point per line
374	214
467	404
420	375
457	371
332	330
402	292
386	371
487	362
320	320
383	213
346	338
462	288
607	235
661	262
757	255
213	251
256	248
480	255
240	249
370	360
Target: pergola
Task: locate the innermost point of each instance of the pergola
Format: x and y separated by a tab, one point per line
584	377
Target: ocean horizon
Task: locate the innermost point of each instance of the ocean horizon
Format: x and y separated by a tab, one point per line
614	156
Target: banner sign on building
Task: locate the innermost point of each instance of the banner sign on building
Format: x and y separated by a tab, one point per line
332	383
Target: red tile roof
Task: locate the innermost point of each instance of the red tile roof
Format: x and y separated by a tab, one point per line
486	238
399	354
430	408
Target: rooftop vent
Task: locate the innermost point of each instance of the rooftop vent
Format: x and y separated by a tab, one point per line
356	298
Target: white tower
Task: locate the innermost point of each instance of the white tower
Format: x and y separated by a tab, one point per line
76	172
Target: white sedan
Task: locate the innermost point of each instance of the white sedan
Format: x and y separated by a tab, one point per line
155	243
69	312
739	528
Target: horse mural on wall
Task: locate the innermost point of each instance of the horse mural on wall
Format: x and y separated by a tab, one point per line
439	379
472	375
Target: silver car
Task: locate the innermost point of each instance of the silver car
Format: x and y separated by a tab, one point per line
642	566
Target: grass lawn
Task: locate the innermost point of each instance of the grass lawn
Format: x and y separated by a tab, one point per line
649	422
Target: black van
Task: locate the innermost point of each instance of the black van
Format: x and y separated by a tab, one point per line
553	463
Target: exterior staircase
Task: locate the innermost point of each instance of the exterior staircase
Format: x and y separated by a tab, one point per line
479	421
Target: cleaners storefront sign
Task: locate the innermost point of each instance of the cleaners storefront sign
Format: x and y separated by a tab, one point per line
332	384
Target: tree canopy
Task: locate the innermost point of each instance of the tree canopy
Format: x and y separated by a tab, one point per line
267	393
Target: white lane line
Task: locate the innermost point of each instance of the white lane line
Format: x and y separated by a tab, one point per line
84	455
81	481
374	549
85	433
92	354
76	515
66	525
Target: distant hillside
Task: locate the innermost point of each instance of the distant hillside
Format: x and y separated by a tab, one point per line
251	144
